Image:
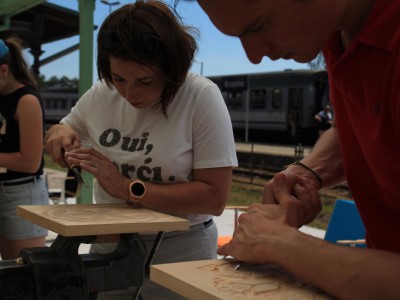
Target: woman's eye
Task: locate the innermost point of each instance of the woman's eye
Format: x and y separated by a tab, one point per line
145	82
117	79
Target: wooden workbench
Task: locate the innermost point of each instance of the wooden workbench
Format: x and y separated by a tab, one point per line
218	280
99	219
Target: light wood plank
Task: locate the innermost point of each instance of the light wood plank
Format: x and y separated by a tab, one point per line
3	170
218	279
99	219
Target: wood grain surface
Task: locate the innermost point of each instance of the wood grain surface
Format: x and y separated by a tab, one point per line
218	279
99	219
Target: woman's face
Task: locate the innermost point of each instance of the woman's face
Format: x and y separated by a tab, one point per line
140	85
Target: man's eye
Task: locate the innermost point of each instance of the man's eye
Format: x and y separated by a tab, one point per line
255	29
259	26
118	79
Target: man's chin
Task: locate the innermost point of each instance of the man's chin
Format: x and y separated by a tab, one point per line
303	58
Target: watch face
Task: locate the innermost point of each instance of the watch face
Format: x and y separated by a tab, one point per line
138	189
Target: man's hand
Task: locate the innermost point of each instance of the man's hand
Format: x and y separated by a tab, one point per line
296	193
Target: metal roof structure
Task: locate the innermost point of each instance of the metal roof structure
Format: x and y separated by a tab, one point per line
46	21
41	23
9	8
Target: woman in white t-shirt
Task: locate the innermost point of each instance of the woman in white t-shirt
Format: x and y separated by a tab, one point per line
161	137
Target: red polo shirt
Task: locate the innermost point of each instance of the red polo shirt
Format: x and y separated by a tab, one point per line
365	93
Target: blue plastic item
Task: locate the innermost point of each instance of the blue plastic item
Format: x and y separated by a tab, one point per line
345	223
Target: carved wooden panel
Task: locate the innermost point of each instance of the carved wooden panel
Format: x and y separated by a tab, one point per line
219	279
99	219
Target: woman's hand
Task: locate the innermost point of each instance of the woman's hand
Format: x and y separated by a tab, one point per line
60	138
106	173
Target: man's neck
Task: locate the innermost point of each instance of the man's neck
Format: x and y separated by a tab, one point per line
354	20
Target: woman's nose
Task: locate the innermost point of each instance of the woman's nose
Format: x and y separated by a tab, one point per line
129	92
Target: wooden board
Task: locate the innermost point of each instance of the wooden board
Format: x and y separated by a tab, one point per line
3	170
99	219
218	279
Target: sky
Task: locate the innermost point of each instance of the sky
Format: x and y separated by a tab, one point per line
218	54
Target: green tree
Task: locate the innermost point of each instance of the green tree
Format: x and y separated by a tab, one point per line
54	81
318	63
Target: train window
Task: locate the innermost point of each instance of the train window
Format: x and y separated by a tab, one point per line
257	99
53	104
268	96
64	104
47	103
234	100
277	98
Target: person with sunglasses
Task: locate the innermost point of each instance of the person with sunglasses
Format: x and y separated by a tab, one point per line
21	150
161	137
360	41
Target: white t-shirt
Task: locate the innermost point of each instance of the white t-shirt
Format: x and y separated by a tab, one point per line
146	145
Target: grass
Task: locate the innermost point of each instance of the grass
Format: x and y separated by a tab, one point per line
48	163
244	194
322	220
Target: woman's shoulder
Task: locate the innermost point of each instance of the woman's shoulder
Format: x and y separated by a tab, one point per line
198	80
99	90
100	86
198	92
195	83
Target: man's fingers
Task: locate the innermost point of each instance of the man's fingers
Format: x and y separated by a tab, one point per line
268	195
223	250
316	206
280	189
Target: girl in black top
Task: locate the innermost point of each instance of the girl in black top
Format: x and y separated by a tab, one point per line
21	151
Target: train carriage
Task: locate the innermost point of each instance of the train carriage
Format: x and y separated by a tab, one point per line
58	102
275	106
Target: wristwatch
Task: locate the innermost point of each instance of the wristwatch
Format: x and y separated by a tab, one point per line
137	190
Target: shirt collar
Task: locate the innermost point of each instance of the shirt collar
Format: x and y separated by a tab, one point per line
382	27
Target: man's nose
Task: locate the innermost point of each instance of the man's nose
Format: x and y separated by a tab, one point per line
253	51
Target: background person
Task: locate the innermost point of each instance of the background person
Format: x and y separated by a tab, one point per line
324	119
21	151
361	44
148	118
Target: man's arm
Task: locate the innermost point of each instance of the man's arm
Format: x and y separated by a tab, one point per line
264	236
325	159
344	272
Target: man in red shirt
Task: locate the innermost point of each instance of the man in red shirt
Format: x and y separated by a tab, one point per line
360	40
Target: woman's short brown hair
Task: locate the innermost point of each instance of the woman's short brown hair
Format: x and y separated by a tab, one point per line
152	34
